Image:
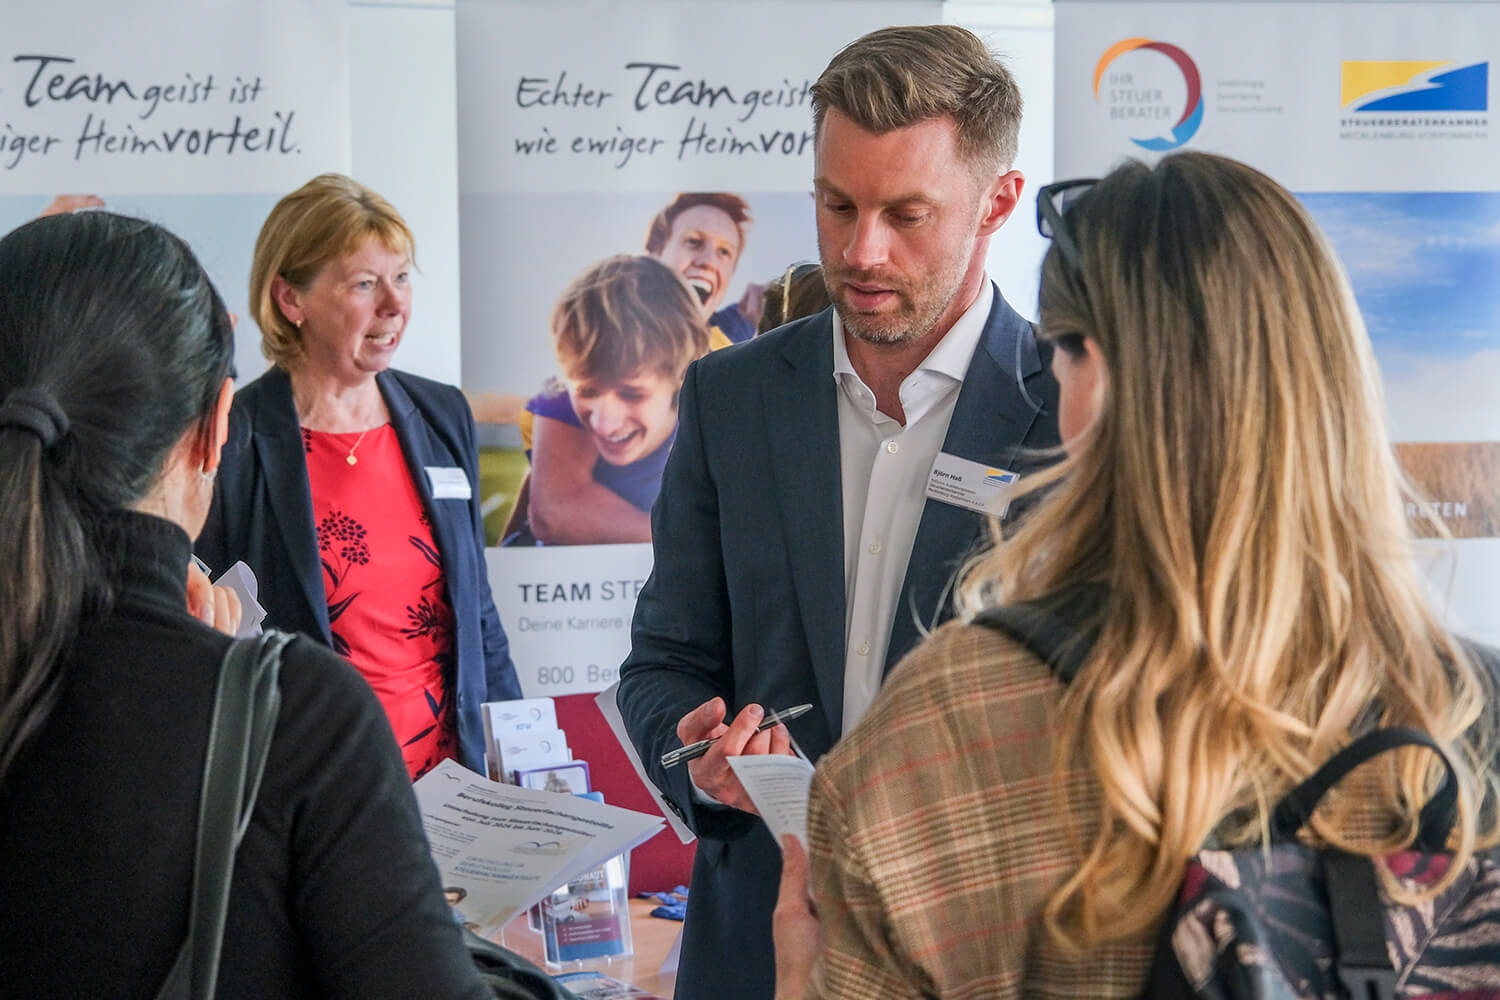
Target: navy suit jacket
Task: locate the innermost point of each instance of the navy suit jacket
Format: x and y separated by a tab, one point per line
262	513
746	598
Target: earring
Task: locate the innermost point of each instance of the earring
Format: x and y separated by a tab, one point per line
206	476
298	324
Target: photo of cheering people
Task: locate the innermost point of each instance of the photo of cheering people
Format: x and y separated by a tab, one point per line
578	459
625	331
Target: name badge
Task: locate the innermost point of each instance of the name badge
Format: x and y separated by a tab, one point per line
971	485
448	484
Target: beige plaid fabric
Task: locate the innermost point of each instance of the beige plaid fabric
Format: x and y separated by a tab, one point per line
935	838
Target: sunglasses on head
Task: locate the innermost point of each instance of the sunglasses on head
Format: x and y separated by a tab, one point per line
1052	205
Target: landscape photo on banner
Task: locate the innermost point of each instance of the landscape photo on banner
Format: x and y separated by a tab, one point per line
1377	116
199	123
630	133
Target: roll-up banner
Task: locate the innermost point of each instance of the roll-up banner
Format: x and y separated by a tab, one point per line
1378	116
601	146
198	116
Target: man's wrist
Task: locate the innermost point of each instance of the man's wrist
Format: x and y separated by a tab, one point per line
700	797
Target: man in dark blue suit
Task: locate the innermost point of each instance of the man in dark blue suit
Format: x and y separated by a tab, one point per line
798	550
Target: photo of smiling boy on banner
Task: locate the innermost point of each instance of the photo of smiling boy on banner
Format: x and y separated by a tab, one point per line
625	331
699	236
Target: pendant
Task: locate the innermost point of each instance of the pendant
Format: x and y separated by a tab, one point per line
352	460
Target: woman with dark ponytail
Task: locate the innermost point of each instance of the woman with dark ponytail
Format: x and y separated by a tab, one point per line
115	355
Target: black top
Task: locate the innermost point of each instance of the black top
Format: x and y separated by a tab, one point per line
334	892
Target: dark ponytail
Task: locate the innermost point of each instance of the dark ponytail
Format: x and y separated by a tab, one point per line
113	344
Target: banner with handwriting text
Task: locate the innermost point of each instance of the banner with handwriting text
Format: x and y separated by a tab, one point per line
198	116
1378	116
676	138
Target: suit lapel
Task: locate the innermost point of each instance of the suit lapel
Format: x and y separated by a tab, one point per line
990	420
279	447
801	414
421	448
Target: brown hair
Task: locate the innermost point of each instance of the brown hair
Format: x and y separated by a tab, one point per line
731	205
625	314
799	292
325	218
894	78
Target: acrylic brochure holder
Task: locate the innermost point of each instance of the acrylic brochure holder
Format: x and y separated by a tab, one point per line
589	917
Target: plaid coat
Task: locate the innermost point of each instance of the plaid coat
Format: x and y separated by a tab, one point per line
935	838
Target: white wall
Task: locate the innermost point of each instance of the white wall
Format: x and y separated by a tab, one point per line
1021	32
404	144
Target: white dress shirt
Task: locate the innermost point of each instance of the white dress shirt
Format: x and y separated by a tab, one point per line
885	468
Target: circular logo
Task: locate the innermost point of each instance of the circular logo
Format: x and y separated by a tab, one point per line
1132	100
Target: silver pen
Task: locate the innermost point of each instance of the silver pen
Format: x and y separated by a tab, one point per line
695	750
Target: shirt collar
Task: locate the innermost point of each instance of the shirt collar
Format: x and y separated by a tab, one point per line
952	354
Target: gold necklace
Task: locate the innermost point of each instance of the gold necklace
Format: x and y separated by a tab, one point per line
360	440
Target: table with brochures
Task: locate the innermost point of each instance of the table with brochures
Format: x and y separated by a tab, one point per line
653	939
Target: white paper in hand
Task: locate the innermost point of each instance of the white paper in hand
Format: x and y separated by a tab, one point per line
241	579
778	785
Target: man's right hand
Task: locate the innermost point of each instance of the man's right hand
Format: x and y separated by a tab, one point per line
711	772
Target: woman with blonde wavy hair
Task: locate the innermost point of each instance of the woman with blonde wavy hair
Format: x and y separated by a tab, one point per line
1228	528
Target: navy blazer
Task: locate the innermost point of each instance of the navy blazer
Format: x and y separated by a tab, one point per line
262	513
746	598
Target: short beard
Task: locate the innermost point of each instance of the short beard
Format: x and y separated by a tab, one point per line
922	324
920	327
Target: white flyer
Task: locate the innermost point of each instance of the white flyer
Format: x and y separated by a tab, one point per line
507	847
778	785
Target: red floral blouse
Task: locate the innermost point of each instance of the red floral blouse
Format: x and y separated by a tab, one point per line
387	604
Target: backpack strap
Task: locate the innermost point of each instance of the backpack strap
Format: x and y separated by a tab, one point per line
246	704
1354	905
1060	628
1357	917
1436	819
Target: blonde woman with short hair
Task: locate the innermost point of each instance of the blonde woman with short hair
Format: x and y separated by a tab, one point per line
351	489
1229	486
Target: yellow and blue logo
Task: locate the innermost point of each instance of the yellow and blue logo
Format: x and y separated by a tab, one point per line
999	477
1415	85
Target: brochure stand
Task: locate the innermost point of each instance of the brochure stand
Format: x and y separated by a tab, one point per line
589	917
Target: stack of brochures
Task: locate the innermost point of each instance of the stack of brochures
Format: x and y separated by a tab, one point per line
523	746
501	848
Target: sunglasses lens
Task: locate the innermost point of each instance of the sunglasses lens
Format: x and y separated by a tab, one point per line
1064	200
1057	200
